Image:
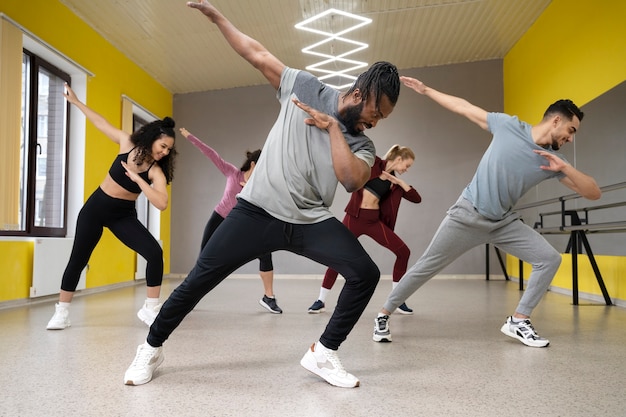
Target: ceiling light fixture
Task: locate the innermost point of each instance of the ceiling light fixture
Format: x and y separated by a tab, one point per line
347	22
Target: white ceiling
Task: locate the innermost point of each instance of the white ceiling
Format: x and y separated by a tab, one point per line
180	48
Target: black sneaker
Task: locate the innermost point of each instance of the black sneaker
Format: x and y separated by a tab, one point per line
270	304
404	309
317	307
381	329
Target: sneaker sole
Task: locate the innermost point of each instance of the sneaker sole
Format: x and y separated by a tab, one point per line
505	329
406	313
268	308
57	327
321	310
311	366
141	382
381	339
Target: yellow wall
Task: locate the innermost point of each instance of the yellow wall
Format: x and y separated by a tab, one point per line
16	261
577	50
612	269
114	75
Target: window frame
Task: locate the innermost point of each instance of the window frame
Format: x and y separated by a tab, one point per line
30	229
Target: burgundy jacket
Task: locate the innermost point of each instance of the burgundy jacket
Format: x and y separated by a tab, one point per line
390	204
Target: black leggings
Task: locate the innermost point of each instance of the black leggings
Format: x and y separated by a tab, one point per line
120	217
265	261
249	232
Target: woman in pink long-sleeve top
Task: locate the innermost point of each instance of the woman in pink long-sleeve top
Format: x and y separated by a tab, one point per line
236	178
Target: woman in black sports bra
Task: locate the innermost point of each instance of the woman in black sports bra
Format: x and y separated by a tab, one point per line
145	164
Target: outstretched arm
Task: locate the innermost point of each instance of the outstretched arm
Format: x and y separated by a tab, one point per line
249	49
116	135
581	183
225	167
454	104
351	171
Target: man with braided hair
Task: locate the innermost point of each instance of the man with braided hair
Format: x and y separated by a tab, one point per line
316	142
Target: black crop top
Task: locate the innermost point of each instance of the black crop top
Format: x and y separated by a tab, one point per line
118	173
378	187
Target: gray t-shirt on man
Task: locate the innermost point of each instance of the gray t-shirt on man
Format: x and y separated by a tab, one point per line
294	179
508	169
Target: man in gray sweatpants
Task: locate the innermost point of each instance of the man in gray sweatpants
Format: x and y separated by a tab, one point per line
519	157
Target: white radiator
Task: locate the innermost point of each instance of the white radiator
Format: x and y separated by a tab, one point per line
49	261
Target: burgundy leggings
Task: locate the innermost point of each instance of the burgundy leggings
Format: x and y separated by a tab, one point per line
368	223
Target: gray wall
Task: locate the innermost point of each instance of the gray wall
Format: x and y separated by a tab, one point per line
447	149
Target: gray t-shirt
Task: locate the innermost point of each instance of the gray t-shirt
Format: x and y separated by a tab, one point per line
508	169
294	179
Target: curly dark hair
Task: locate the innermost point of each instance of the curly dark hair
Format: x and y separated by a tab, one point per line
144	137
565	108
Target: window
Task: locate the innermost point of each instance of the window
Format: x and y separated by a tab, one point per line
44	148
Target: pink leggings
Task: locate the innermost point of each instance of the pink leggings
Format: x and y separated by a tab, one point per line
368	223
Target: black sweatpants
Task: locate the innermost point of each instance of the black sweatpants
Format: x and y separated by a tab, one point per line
120	217
265	261
249	232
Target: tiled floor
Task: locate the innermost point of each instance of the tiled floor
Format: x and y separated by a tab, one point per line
232	358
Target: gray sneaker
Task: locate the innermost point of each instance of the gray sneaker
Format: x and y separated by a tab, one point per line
524	332
381	329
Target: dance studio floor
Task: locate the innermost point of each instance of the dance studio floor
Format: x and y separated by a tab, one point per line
232	358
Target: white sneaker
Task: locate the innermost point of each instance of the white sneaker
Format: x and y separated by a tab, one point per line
148	314
60	320
524	332
325	363
146	361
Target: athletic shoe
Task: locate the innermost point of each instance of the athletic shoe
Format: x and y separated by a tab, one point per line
404	309
325	363
146	361
60	320
381	329
148	314
317	307
270	304
524	332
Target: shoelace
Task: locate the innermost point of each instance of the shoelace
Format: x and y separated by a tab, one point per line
527	329
382	322
143	356
332	357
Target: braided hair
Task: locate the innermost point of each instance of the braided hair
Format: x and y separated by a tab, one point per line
144	137
381	79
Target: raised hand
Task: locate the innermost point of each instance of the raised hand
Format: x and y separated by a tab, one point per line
414	84
318	119
205	7
555	163
184	132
